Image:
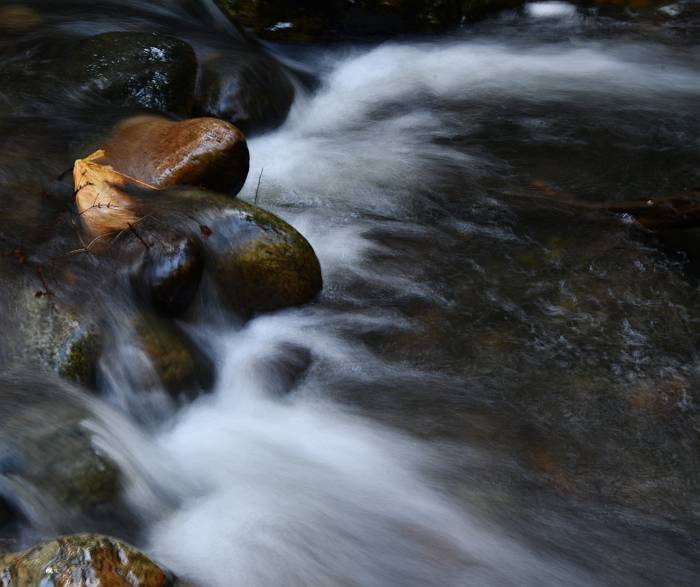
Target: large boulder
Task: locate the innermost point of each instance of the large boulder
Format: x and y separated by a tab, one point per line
81	560
246	87
140	70
204	152
258	262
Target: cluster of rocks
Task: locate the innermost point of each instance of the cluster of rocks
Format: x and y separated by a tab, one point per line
156	218
161	73
167	190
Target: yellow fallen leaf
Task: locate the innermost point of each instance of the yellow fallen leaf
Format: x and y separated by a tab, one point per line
103	205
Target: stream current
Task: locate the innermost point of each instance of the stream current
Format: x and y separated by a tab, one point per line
504	388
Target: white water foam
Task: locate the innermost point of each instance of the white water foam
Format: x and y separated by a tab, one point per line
550	9
374	138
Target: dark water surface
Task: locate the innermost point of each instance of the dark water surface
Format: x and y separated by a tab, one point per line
505	387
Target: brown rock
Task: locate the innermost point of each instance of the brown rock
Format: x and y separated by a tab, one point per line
77	561
18	18
204	152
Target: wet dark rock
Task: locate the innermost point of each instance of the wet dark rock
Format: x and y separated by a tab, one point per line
313	20
204	152
49	465
246	87
258	262
9	516
168	273
141	70
180	365
85	559
474	10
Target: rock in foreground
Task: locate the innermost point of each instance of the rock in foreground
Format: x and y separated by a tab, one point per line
82	560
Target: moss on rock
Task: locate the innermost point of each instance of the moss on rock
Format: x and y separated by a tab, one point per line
179	364
258	261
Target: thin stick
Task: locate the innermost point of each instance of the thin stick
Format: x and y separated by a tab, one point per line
257	189
138	236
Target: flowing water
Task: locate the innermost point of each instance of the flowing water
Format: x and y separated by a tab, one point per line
504	388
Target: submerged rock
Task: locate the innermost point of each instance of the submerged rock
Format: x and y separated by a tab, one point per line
143	70
49	469
246	87
284	366
258	262
180	365
81	560
204	152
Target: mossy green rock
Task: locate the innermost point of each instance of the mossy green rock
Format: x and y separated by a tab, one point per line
82	560
61	335
258	261
142	70
179	364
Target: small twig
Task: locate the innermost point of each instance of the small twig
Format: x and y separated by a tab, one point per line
138	236
257	189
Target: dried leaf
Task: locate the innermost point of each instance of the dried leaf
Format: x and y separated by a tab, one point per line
104	207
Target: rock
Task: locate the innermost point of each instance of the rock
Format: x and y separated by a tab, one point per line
81	560
245	87
18	18
8	517
59	335
168	273
204	152
400	16
258	262
474	10
48	465
312	20
303	21
140	70
181	367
